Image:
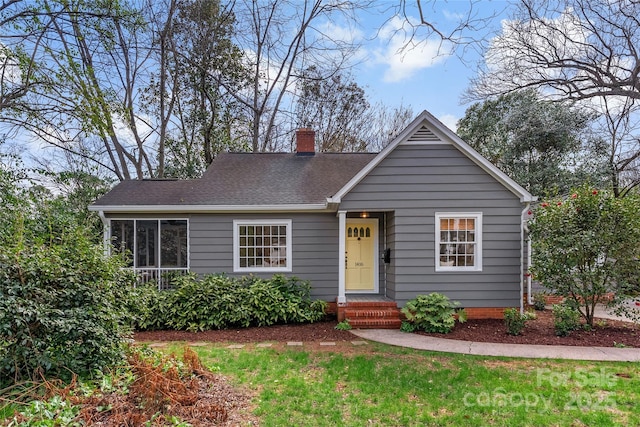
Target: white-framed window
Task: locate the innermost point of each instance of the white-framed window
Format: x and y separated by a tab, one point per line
458	241
152	243
262	245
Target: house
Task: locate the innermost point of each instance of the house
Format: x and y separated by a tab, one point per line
426	214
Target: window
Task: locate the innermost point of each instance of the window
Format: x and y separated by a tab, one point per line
459	241
155	243
260	245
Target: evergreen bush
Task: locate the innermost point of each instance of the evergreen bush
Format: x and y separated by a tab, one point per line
432	313
220	302
566	319
60	305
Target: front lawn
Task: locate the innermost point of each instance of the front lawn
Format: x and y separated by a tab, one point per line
388	386
379	385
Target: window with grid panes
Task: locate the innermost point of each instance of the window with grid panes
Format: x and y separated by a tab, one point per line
458	241
262	245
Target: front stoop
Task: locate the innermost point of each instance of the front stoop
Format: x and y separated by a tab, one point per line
372	314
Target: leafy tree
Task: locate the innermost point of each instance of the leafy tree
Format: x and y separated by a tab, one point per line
586	247
538	143
334	108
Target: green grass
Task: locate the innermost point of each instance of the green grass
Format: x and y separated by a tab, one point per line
379	385
7	411
389	386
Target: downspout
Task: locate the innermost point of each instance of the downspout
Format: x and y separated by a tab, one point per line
524	229
529	295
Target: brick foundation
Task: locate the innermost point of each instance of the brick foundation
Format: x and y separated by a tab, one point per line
557	299
485	312
332	308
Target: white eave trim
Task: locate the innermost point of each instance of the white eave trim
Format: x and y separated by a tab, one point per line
447	136
318	207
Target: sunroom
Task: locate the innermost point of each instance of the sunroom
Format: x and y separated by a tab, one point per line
156	249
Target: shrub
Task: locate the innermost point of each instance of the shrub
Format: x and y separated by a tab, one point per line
516	321
539	301
432	313
565	319
60	307
219	302
147	307
343	326
407	327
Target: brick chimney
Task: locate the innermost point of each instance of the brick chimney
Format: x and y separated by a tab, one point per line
305	142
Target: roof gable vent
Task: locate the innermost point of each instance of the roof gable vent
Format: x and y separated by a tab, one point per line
423	134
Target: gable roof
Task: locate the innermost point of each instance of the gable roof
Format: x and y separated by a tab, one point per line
428	129
243	181
283	181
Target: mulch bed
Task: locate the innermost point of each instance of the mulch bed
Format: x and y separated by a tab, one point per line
313	332
606	333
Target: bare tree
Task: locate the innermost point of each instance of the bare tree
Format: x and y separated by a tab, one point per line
468	27
580	50
74	99
92	63
280	37
573	49
619	122
339	111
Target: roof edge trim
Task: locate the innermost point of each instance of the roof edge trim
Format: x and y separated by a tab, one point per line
319	207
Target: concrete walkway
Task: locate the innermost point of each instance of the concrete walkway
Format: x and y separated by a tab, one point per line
422	342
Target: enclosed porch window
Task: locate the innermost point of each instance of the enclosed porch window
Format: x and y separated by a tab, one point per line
156	247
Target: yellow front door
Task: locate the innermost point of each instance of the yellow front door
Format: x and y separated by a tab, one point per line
361	255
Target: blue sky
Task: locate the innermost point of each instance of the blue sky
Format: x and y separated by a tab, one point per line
420	77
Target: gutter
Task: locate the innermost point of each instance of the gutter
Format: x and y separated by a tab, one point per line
319	207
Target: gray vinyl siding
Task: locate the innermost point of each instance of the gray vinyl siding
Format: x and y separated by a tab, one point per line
314	247
413	183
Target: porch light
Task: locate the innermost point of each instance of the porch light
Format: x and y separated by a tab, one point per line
364	214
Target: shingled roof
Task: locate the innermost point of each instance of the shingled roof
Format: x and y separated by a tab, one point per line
246	179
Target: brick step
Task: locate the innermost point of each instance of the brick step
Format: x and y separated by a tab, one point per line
351	313
371	314
375	323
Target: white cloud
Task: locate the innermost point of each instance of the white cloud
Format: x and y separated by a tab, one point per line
453	16
10	73
509	60
346	34
405	54
449	120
